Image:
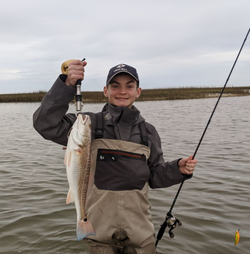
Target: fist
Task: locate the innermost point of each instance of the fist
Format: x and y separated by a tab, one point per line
75	71
187	165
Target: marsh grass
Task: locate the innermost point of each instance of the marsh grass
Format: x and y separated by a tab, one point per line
23	97
146	95
191	93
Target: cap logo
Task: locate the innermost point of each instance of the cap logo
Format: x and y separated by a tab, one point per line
120	66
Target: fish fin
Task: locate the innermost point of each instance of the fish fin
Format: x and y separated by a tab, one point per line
69	159
79	150
84	228
65	158
70	197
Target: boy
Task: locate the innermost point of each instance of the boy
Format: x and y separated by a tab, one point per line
126	155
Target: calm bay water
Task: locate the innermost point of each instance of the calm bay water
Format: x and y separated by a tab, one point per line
212	205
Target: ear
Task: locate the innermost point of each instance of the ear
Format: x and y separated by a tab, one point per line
138	92
105	91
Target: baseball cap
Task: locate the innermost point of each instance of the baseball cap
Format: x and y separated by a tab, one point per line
122	68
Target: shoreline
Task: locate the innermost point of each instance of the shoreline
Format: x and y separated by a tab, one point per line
146	95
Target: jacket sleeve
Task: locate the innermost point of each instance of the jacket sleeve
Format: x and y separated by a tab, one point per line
50	119
163	174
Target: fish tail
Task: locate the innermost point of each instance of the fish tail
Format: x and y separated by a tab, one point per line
84	228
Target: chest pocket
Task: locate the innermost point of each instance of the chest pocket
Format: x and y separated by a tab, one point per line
119	170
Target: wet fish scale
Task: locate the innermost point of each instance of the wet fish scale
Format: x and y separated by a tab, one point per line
83	181
77	161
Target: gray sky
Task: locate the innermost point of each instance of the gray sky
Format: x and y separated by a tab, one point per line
176	43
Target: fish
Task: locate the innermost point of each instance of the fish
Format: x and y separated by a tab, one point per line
237	237
77	161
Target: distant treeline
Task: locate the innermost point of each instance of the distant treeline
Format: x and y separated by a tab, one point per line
146	95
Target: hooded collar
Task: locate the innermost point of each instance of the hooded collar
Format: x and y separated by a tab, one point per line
123	114
122	118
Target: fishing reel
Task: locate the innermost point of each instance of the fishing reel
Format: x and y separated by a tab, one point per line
172	222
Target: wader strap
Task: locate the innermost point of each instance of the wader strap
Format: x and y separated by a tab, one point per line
99	125
144	136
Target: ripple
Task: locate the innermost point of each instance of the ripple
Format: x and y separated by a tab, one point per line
212	205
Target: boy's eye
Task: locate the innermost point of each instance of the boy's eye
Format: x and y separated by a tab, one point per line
130	86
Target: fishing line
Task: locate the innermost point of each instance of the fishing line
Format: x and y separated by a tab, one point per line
171	221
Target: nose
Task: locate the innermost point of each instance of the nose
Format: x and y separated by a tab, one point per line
122	90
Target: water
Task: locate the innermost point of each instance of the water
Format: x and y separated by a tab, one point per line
212	205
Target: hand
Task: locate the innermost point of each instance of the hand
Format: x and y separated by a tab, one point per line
187	165
75	72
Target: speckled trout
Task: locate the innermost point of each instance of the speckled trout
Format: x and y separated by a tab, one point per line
77	161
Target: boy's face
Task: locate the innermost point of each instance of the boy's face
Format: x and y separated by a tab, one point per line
122	91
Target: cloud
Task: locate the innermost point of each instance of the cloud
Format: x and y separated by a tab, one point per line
171	43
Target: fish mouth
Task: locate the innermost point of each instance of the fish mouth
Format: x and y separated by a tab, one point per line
83	119
83	125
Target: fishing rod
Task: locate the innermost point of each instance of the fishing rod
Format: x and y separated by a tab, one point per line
171	221
79	94
64	68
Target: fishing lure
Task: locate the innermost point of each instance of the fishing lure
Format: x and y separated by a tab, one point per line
237	237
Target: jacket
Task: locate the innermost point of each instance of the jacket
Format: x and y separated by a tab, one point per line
52	122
